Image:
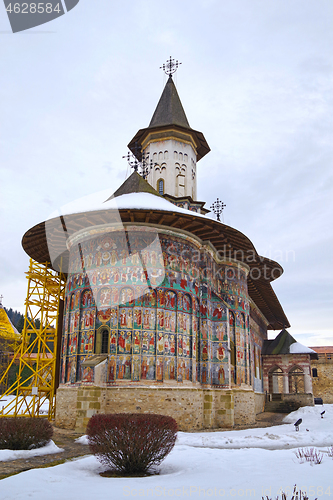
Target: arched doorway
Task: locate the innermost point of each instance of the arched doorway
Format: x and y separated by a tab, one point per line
296	380
275	381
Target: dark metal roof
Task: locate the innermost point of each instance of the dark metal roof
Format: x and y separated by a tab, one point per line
169	113
169	110
281	345
135	183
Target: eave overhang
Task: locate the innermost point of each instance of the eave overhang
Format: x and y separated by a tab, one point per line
228	242
176	131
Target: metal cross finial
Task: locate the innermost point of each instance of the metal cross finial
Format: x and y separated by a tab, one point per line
1	297
139	161
132	159
217	208
170	67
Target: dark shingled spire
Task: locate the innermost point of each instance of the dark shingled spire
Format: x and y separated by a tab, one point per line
134	184
169	113
169	110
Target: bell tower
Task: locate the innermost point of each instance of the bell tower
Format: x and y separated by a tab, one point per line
173	146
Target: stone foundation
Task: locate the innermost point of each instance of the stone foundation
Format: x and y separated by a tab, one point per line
244	407
193	408
259	402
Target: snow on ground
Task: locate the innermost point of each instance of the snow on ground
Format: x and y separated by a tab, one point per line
199	470
313	431
82	440
6	400
51	447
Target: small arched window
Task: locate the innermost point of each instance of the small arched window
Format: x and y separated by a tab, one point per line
102	341
180	156
314	372
166	155
105	342
185	157
160	155
160	186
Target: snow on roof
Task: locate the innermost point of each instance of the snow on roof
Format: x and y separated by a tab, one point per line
297	348
96	201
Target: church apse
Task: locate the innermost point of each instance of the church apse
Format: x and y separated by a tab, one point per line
156	307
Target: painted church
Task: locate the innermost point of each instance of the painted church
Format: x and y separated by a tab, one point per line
166	309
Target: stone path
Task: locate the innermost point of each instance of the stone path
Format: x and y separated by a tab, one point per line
66	439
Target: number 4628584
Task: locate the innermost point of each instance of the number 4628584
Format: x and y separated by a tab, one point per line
33	8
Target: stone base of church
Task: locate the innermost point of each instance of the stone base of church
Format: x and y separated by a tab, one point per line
193	408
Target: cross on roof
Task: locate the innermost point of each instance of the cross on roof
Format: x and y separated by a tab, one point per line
217	208
170	66
139	161
1	297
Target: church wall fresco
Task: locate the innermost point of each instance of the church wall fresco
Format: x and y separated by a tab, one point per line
258	333
159	306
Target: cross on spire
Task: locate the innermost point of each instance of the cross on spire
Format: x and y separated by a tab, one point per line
170	67
139	161
1	297
217	208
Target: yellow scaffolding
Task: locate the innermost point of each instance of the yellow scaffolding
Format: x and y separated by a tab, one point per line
33	392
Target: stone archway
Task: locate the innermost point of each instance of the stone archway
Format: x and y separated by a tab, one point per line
296	380
275	380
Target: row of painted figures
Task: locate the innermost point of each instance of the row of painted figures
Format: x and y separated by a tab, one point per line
148	368
146	341
148	250
138	276
165	299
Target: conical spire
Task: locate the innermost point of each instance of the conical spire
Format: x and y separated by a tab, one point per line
169	110
169	113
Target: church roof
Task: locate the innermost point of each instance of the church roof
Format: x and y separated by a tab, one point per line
135	183
169	113
7	329
169	110
285	343
46	242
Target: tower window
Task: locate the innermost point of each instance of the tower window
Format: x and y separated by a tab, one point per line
166	155
314	372
160	186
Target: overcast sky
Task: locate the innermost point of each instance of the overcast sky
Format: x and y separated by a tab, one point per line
256	79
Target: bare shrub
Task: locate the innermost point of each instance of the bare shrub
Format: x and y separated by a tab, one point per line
24	433
296	495
309	455
131	443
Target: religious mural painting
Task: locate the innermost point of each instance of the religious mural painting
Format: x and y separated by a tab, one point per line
168	310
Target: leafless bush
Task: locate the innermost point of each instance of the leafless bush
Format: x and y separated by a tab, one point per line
309	455
296	495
